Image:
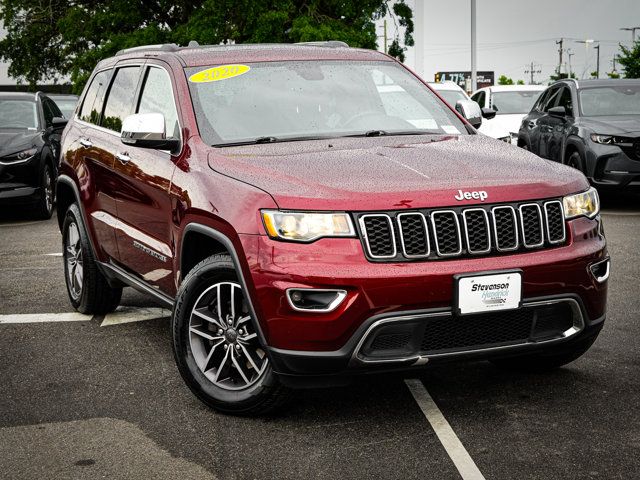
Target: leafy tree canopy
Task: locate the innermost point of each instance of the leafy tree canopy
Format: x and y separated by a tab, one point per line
504	80
49	40
630	60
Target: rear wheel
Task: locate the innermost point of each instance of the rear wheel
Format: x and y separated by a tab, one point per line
216	345
549	359
89	291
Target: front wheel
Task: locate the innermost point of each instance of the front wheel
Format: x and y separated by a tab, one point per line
216	345
44	207
575	161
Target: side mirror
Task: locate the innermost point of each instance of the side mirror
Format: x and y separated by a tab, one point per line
146	130
557	112
471	111
58	124
488	113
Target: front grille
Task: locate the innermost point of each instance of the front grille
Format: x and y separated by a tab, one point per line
444	334
479	230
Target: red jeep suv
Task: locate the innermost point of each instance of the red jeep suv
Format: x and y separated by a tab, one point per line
315	212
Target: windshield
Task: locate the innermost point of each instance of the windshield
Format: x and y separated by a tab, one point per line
278	101
66	106
614	100
514	102
451	96
18	114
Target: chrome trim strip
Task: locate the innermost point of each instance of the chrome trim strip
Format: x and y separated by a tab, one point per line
435	233
577	327
340	296
524	236
546	219
515	228
466	230
426	234
366	238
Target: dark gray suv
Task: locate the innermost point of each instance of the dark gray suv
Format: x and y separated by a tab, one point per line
591	125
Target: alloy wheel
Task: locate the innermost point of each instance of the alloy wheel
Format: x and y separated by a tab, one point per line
48	190
222	338
74	260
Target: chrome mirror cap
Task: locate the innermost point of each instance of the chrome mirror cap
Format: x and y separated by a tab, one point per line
471	111
143	126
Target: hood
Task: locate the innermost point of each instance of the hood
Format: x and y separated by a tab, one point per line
501	125
394	172
12	141
613	125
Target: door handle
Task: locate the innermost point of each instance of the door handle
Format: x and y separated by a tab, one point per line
123	157
85	142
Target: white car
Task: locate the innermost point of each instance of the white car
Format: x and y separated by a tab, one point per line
511	103
450	91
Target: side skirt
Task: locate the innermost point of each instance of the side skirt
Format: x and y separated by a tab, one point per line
115	273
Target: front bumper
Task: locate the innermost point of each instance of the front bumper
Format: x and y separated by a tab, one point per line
20	181
308	343
612	166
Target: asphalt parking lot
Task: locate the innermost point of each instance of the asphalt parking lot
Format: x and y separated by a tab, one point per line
101	397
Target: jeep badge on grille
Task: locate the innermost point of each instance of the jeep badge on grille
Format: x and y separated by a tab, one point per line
475	195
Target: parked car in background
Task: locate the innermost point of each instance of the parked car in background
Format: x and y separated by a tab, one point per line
510	103
66	103
450	91
30	128
591	125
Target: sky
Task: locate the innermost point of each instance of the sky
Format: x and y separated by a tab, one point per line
514	33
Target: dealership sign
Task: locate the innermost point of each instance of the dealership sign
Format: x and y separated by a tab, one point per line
463	79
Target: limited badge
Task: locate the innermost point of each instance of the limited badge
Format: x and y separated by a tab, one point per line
215	74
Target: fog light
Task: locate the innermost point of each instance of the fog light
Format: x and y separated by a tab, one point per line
315	299
601	270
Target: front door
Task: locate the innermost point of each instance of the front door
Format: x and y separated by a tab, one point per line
143	201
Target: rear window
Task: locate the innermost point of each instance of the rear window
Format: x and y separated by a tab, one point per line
92	103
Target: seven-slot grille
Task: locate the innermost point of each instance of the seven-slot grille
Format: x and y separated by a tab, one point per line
454	232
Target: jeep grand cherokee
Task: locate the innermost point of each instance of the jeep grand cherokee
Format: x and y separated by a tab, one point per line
316	212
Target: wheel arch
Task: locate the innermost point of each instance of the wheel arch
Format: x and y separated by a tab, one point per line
67	193
198	240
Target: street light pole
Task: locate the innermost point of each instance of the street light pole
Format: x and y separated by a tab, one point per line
586	53
597	47
474	72
633	32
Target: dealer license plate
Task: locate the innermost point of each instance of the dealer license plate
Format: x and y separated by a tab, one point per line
489	293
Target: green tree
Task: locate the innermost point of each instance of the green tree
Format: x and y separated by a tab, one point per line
520	82
613	75
504	80
630	60
57	38
559	76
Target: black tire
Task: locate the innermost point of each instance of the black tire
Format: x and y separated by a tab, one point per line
549	359
266	394
575	161
94	294
44	206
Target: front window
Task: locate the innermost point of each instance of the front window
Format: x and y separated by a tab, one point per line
613	100
66	106
280	101
514	102
21	114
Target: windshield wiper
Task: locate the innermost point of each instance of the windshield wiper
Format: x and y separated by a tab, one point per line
268	139
380	133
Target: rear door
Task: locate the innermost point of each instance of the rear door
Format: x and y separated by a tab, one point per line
144	178
94	167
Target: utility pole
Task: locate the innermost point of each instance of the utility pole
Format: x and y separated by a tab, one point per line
633	33
570	54
474	72
532	69
597	47
386	50
560	42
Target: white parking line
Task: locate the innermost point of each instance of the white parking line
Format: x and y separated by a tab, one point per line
451	443
44	317
133	314
54	254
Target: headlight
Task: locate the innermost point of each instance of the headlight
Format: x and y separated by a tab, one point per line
21	156
609	139
585	203
306	226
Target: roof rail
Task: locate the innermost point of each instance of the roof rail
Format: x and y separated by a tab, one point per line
166	47
327	43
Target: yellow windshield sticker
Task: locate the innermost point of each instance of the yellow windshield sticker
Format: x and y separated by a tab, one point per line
223	72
